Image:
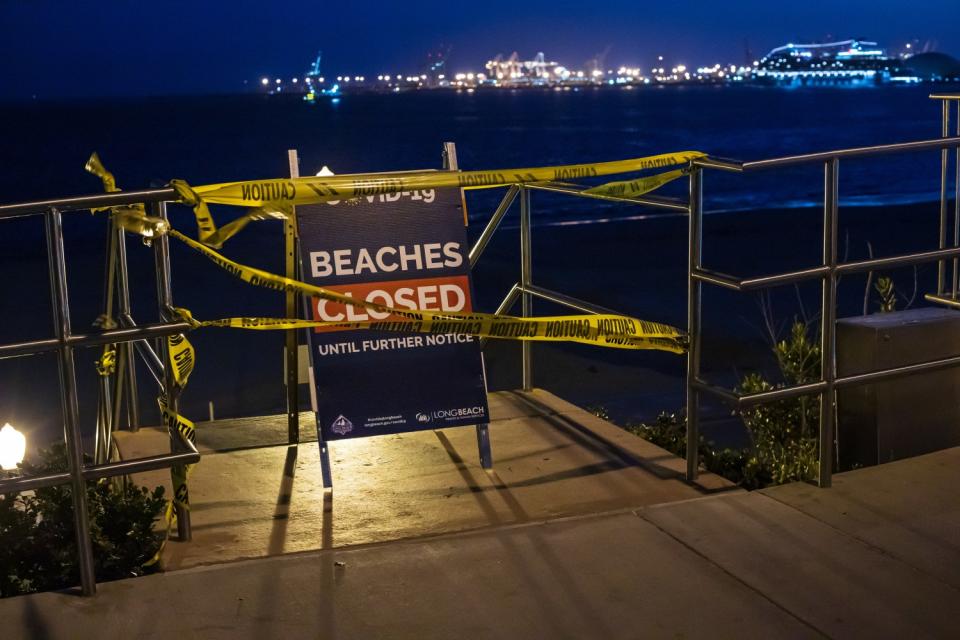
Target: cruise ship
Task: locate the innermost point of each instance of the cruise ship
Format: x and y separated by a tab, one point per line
849	62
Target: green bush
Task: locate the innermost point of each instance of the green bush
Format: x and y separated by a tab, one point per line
38	549
669	431
783	434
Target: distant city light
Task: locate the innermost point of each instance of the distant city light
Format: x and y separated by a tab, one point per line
845	62
264	81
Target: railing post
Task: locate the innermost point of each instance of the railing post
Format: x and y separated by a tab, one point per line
828	365
106	400
125	352
68	399
956	205
526	279
694	290
161	247
492	225
944	167
290	311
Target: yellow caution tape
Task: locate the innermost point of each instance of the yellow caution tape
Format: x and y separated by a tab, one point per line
107	363
637	187
313	189
274	197
135	220
96	167
182	357
182	360
606	330
179	473
207	230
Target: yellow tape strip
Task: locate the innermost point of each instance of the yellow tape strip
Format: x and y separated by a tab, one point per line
606	330
107	363
313	189
182	357
277	196
96	167
182	360
637	187
274	197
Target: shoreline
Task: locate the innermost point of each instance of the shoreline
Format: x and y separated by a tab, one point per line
248	94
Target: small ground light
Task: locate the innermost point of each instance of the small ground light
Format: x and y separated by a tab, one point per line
13	446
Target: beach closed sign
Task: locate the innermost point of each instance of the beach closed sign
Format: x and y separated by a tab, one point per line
405	250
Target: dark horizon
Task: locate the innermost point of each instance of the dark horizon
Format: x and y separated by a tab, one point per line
112	49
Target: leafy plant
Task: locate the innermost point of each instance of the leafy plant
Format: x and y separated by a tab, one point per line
669	431
38	549
888	296
784	432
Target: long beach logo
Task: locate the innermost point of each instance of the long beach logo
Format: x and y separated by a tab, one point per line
341	426
450	414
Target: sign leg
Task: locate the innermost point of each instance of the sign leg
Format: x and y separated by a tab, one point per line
483	444
325	472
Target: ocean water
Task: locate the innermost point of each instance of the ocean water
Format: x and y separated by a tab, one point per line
216	139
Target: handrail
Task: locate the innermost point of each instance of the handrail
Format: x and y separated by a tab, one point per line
820	156
95	201
65	342
110	336
524	291
741	401
828	273
659	202
567	301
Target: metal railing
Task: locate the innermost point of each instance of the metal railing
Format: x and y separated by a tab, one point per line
827	272
65	341
525	290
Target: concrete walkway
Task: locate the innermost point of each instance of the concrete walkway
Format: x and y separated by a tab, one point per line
877	556
551	459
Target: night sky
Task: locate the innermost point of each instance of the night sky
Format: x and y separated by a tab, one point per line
52	49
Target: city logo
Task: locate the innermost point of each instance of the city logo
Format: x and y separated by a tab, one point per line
341	426
423	418
462	412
